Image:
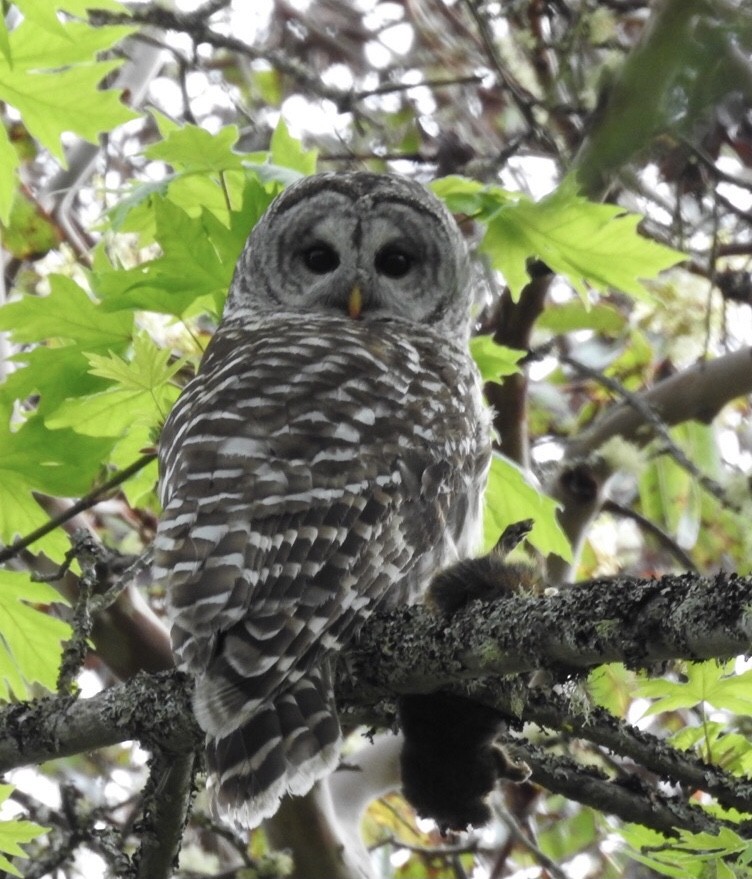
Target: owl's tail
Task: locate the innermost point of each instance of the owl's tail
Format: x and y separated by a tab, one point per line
286	745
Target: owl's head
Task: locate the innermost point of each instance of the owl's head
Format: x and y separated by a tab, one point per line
365	246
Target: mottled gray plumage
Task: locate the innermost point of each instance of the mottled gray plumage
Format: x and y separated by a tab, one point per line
328	458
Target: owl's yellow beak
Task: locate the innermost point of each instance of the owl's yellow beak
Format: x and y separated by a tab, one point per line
355	302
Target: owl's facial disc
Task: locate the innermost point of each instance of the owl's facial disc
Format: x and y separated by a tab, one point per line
368	261
364	246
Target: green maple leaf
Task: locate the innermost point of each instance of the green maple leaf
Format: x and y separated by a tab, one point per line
510	498
13	834
589	243
197	263
49	75
193	149
44	12
142	394
30	640
33	458
70	323
494	361
594	243
288	152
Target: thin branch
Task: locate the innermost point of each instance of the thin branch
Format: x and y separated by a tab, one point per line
649	527
651	419
631	799
522	838
522	100
84	503
551	711
195	25
390	87
695	394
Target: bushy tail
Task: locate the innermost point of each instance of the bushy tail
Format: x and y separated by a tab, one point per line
286	745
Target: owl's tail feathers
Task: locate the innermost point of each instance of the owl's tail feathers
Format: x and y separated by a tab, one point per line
285	746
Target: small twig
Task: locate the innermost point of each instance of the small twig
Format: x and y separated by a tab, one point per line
524	840
665	540
194	24
84	503
103	600
91	555
659	427
524	102
390	87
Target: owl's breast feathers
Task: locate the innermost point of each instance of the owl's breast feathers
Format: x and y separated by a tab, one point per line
311	471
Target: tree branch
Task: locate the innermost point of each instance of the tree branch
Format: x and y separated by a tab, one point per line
629	798
695	394
411	650
166	813
638	622
83	504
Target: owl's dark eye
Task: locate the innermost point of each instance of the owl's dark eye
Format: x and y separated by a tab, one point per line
393	262
321	259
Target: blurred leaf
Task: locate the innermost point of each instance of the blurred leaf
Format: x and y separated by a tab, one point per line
569	835
288	152
704	683
28	233
510	498
44	12
715	744
9	163
612	687
30	639
494	361
670	496
13	834
191	149
724	855
268	85
571	316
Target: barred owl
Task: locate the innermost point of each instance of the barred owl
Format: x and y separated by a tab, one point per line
328	458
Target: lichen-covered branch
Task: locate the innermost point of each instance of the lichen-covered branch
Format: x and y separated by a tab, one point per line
411	650
618	620
170	783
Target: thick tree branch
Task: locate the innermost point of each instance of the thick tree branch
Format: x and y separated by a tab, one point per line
512	325
155	709
620	620
410	650
695	394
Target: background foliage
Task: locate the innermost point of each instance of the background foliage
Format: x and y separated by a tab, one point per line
139	145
